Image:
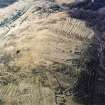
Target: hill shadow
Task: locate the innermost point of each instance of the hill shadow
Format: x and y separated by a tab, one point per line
90	87
6	3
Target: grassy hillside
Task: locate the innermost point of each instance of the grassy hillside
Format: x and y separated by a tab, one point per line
41	53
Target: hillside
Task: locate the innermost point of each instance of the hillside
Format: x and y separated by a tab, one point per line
41	51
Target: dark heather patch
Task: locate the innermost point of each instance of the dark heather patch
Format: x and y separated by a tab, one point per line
5	3
90	87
